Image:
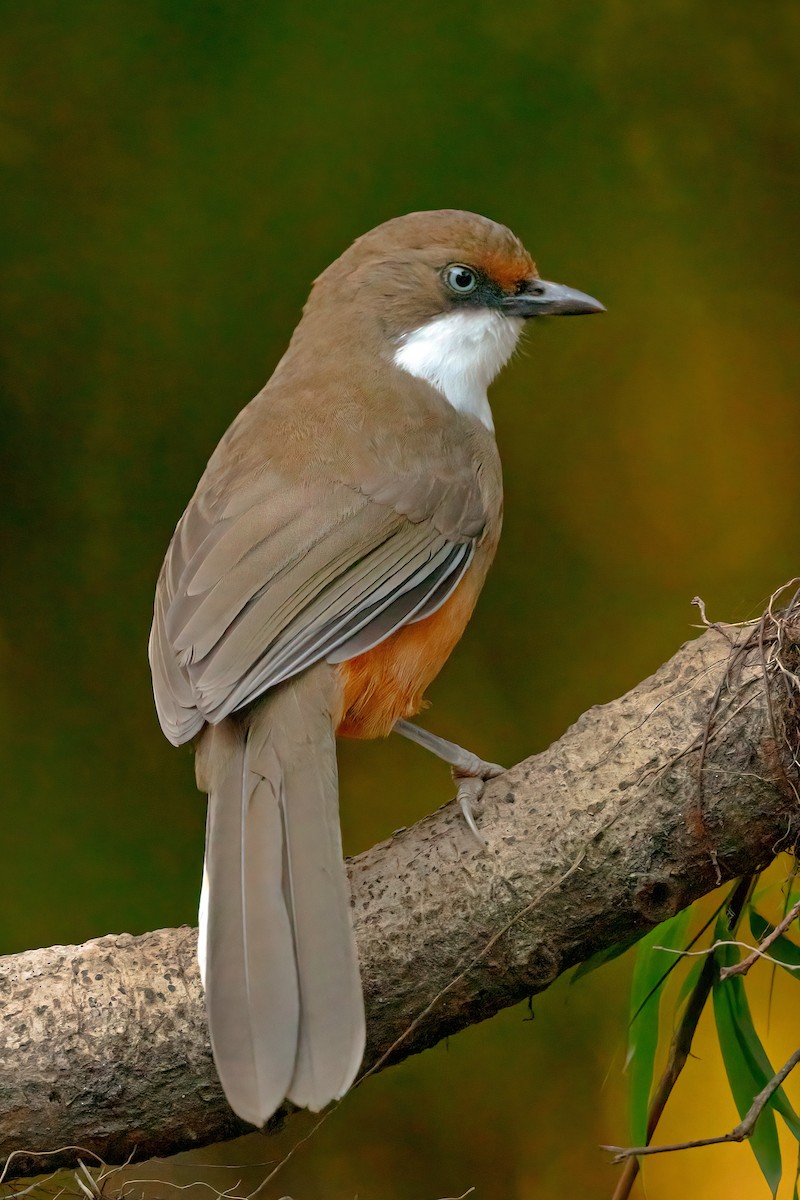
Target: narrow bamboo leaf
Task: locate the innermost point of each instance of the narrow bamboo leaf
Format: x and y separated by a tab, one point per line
688	985
756	1056
652	967
746	1076
783	949
787	953
692	975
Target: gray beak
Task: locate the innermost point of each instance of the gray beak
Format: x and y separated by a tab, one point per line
544	299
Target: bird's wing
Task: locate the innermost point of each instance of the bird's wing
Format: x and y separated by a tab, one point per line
259	586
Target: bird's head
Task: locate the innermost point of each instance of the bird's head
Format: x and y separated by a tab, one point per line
448	293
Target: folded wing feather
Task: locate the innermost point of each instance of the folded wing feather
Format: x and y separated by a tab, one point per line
249	598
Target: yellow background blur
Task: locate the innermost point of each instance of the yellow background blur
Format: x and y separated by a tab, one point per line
176	173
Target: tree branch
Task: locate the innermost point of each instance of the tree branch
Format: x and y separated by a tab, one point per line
642	806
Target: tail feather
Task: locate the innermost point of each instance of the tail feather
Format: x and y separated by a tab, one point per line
332	1031
283	990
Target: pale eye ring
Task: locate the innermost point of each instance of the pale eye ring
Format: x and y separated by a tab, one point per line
460	279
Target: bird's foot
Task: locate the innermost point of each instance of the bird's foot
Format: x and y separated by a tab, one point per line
470	785
469	772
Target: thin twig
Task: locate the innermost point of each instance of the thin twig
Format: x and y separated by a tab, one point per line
756	953
44	1154
742	1131
741	968
717	626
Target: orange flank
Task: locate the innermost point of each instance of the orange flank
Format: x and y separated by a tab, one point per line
389	681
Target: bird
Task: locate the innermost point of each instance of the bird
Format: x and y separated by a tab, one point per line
319	578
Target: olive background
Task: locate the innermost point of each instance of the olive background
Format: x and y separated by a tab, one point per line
175	174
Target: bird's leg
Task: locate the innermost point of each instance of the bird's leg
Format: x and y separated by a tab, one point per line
469	772
463	762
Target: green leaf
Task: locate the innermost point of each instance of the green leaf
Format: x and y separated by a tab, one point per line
785	951
754	1053
746	1063
651	969
690	982
693	974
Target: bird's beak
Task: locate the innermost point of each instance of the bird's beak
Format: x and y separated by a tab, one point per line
544	299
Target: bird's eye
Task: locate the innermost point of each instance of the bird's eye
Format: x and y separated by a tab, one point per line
461	280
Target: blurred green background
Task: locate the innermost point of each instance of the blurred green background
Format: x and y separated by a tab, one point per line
175	175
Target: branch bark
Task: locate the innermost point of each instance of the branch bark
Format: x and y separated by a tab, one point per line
642	806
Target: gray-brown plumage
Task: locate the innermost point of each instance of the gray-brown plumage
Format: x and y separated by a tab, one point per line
320	576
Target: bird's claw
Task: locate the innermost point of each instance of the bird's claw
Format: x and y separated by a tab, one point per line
468	794
471	783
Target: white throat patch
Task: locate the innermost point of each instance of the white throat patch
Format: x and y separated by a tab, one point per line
460	353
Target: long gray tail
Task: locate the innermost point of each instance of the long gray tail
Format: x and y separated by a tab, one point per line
276	948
